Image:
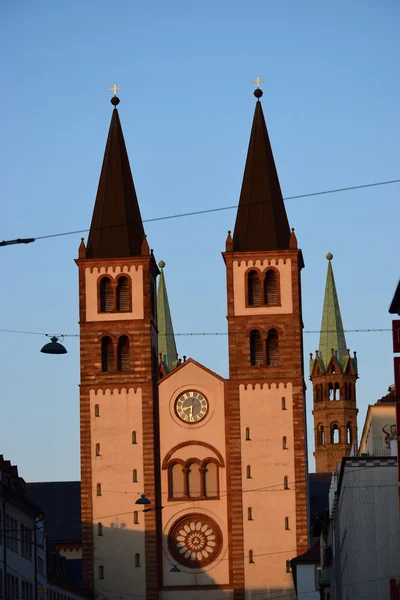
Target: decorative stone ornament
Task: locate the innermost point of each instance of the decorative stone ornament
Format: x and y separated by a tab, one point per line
195	541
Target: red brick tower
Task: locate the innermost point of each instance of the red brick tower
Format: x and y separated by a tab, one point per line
333	374
118	334
266	403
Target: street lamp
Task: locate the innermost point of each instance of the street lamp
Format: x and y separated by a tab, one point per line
54	347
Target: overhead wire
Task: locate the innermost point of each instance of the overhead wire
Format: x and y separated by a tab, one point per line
202	212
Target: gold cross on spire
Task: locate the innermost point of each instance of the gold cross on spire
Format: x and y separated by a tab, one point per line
257	81
114	89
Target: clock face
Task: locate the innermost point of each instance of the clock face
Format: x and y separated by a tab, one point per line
191	407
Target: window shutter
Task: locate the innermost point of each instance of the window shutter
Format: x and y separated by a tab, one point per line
106	295
253	289
124	359
107	355
272	348
123	295
271	288
256	349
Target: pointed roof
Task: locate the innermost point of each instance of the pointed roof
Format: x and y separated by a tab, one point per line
117	229
166	338
332	332
261	220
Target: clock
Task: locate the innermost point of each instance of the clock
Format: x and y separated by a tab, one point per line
191	407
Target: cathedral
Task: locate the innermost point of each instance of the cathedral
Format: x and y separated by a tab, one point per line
193	485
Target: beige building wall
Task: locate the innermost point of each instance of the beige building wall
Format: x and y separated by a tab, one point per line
284	267
174	432
379	429
119	415
92	278
265	535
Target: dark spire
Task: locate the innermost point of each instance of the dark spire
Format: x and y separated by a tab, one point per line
117	229
261	220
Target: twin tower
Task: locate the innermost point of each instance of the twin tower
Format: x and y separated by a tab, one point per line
194	485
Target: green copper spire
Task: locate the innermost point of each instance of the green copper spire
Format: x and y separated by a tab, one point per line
332	332
166	338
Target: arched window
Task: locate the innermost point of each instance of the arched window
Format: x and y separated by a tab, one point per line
251	560
253	289
176	481
194	481
134	441
286	523
99	529
322	435
107	354
335	437
134	476
123	352
284	443
211	480
271	288
96	410
98	489
106	295
101	572
248	472
249	514
135	517
97	449
349	433
285	483
284	404
272	348
331	392
248	438
256	349
350	389
123	294
337	391
137	560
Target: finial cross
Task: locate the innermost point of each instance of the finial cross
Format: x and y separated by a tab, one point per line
114	89
257	81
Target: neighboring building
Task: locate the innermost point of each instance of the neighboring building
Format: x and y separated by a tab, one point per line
60	501
306	573
22	539
379	437
197	445
333	373
365	529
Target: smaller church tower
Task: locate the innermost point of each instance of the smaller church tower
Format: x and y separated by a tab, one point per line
333	373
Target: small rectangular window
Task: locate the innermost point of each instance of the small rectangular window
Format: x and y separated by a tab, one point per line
101	572
134	476
97	449
137	560
136	517
98	489
96	410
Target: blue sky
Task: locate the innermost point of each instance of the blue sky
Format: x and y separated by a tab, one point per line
331	97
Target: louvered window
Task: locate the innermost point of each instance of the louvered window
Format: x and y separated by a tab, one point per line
123	294
253	289
256	349
272	348
106	295
271	288
107	355
124	359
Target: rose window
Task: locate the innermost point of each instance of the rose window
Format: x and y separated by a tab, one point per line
195	541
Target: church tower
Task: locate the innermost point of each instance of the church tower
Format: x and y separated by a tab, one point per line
333	373
266	397
118	390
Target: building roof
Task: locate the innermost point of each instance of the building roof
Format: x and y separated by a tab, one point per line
166	338
117	229
395	305
61	503
332	331
261	220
